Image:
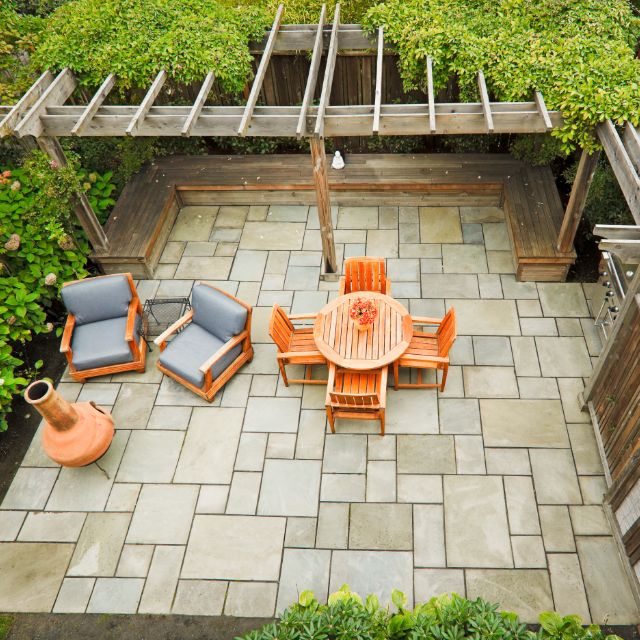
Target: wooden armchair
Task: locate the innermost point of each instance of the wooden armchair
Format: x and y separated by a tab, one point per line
428	351
295	345
214	342
361	395
364	274
102	334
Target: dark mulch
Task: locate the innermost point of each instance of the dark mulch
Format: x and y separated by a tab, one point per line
586	267
146	627
134	627
24	420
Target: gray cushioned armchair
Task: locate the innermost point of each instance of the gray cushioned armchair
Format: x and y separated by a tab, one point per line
213	343
102	333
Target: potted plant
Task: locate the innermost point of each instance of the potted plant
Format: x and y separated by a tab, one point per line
363	312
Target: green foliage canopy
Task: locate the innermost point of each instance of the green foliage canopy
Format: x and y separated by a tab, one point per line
579	53
135	39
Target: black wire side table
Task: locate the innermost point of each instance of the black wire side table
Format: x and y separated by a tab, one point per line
159	314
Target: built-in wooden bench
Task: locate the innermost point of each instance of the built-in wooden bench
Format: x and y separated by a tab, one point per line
142	219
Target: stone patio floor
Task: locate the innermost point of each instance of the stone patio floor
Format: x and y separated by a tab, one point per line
491	489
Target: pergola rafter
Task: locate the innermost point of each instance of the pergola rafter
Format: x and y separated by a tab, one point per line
43	114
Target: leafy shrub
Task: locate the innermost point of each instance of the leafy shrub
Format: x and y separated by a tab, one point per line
18	35
135	39
605	202
581	55
123	157
446	617
40	248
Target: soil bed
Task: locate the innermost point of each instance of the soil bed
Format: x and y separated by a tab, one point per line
24	420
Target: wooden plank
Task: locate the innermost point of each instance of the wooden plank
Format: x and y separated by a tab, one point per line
431	96
260	73
622	166
321	182
14	113
196	109
617	231
542	109
631	140
312	78
627	250
328	74
378	94
56	93
146	103
94	105
484	99
577	200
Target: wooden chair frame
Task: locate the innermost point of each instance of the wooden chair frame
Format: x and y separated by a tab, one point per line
306	358
439	363
366	267
210	386
358	406
138	349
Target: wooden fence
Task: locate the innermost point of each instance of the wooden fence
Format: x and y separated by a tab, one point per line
613	397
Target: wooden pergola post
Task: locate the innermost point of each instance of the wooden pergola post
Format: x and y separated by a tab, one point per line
321	182
81	205
577	200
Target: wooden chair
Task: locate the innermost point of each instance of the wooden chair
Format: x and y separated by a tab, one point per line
428	351
361	395
364	274
295	346
213	343
102	334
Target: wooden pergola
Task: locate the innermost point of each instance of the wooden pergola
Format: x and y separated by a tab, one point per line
42	114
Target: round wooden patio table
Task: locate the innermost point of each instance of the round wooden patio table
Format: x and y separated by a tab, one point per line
340	342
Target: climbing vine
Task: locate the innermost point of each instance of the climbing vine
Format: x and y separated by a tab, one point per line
579	53
135	39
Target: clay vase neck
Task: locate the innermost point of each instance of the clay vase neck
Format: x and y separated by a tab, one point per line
59	413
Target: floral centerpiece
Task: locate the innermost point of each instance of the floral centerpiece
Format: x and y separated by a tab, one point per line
363	311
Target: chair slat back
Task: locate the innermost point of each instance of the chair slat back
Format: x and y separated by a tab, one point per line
364	274
446	333
280	328
355	400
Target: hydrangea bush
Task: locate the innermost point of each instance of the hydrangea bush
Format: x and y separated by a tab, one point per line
40	248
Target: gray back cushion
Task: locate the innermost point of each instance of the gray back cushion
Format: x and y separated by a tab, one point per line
216	313
96	299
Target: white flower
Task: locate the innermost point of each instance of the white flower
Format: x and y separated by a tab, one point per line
50	279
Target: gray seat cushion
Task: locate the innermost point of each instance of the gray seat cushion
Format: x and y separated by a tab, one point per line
217	313
190	349
96	299
101	344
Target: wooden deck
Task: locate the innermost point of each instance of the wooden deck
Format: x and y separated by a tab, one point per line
141	221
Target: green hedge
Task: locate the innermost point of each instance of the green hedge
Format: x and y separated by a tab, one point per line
447	617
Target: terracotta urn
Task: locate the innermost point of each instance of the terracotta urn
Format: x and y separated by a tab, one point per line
75	434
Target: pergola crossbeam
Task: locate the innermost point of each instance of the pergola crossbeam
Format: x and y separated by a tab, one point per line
542	108
330	68
484	99
282	121
260	74
146	103
94	105
312	78
431	96
62	86
196	109
11	119
622	166
378	92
